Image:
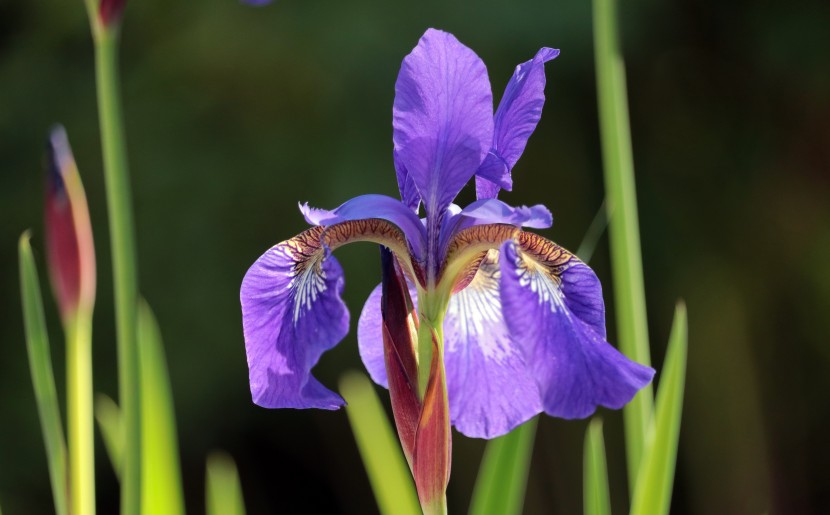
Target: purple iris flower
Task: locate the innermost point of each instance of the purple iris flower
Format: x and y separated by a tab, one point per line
517	322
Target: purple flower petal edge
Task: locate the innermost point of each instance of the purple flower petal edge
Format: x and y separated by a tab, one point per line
292	313
442	117
575	368
516	118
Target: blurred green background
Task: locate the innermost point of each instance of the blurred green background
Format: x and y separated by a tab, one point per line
234	114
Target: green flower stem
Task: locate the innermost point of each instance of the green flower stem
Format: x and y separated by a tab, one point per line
78	330
626	260
123	261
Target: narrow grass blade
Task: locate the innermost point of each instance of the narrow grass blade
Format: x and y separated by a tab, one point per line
502	477
223	492
624	232
382	455
43	379
593	234
652	494
161	482
596	499
109	422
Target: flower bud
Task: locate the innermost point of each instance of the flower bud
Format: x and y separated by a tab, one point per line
69	245
110	11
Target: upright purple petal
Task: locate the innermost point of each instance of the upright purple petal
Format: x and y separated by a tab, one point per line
292	313
516	118
406	185
373	206
493	175
491	390
553	306
442	117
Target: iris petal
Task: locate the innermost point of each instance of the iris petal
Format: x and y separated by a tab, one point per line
442	117
292	313
406	185
370	337
491	389
373	206
553	306
516	118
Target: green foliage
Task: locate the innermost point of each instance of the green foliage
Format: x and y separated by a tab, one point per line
161	482
624	232
223	493
502	478
653	491
382	455
109	422
43	379
595	472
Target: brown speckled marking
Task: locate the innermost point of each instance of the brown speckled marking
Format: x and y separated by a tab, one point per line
546	253
484	236
307	247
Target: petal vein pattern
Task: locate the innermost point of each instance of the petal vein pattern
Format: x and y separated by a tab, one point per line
292	312
491	390
442	117
553	307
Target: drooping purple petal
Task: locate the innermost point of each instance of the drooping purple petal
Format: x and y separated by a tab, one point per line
373	206
516	118
553	307
370	337
491	389
442	117
292	313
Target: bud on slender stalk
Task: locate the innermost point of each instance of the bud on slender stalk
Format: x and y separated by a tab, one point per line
110	11
70	249
423	423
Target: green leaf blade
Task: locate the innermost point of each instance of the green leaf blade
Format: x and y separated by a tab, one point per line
161	481
624	232
596	498
382	455
502	477
653	491
223	491
43	378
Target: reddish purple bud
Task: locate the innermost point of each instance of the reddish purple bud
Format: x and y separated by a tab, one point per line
110	11
433	445
399	352
69	245
423	425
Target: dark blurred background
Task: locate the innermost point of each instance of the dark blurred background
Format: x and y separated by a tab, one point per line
235	113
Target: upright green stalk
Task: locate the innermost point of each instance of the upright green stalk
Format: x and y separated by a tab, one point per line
80	414
626	260
119	205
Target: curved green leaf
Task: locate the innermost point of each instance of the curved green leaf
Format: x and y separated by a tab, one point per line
653	490
43	379
382	454
502	478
